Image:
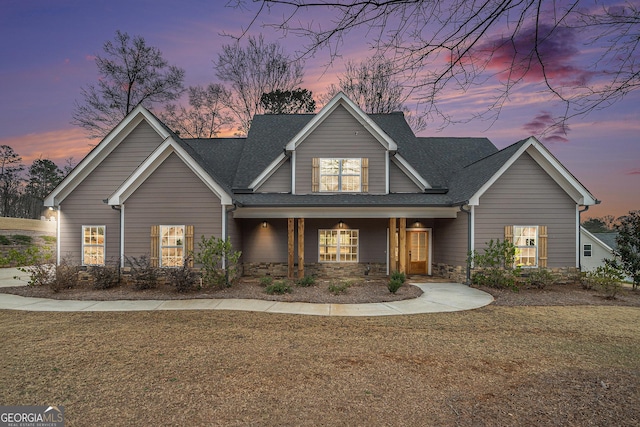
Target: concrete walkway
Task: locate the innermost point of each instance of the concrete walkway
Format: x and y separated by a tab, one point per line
437	298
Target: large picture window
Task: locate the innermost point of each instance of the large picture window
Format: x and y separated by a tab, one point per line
172	243
93	244
340	175
525	239
338	245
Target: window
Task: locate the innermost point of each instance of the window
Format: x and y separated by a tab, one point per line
338	246
340	175
587	250
171	245
525	239
93	244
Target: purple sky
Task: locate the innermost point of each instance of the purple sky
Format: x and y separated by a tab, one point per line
47	50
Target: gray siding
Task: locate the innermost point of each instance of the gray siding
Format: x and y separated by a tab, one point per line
450	240
399	182
279	182
526	195
172	195
264	244
341	136
85	206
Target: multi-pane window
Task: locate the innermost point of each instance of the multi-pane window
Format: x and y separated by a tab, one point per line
171	245
341	175
525	239
338	246
93	244
587	250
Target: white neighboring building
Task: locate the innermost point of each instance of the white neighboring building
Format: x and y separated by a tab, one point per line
595	248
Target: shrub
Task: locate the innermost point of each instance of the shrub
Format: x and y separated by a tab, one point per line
495	266
37	263
48	239
605	279
4	240
143	274
65	276
211	255
105	276
185	278
337	288
266	281
540	278
397	275
281	287
21	239
306	281
394	285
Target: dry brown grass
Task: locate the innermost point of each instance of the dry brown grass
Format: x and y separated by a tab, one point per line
492	366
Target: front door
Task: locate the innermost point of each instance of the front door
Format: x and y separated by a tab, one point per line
418	251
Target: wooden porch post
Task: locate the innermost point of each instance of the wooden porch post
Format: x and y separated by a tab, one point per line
300	248
290	247
392	245
402	243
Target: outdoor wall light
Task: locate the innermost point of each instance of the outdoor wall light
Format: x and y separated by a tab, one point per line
264	224
341	224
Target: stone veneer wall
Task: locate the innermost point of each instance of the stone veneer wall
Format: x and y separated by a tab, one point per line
456	273
330	269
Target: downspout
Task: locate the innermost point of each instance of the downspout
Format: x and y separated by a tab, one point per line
586	208
225	226
121	231
469	249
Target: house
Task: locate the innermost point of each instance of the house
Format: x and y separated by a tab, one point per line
596	247
335	192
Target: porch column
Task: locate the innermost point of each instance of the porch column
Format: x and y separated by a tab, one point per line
402	243
300	248
392	245
290	247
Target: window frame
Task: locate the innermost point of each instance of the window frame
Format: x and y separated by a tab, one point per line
535	246
584	250
340	175
338	246
102	245
161	246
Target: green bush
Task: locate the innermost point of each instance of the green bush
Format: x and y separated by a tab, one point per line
495	266
21	239
605	279
397	275
306	281
4	240
211	255
266	281
394	285
540	278
337	288
48	239
105	276
143	274
281	287
185	279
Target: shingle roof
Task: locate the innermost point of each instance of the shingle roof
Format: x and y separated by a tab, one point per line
351	200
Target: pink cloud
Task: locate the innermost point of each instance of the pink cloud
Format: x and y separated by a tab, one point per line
515	57
634	172
545	126
56	145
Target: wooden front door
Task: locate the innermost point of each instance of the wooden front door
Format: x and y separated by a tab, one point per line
417	252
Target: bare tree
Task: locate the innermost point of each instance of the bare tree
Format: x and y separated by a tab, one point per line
206	116
374	84
131	74
460	44
258	68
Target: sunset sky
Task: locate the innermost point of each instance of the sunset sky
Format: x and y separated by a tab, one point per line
47	52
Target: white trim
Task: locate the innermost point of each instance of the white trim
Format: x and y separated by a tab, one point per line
472	218
183	246
356	112
339	230
122	236
578	227
151	163
411	173
387	251
58	244
104	244
537	245
387	174
293	172
551	165
102	150
270	170
345	212
223	232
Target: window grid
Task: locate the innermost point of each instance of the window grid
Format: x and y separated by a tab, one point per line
587	250
171	245
338	245
341	175
93	245
525	239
